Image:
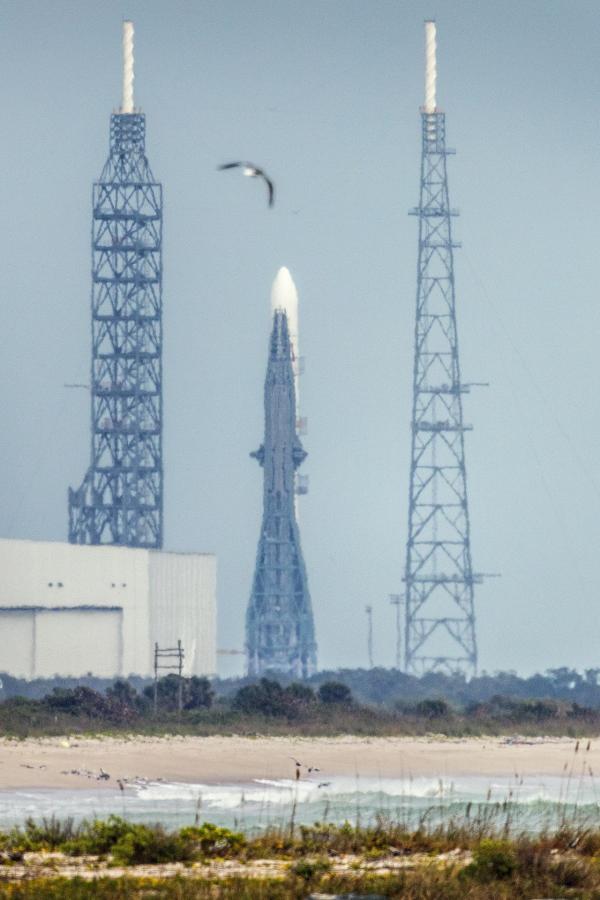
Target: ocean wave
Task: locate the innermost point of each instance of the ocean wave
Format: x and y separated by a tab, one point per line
282	792
257	804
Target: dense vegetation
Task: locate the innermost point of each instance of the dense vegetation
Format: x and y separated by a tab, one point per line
377	686
452	861
323	706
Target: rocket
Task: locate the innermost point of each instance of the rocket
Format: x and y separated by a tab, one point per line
280	630
285	296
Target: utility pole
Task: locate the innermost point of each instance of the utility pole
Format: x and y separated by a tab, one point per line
397	600
169	653
369	612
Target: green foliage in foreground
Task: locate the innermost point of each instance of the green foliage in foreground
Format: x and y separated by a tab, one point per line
573	880
128	843
565	864
479	832
493	860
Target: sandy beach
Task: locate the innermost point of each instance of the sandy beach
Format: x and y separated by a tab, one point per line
71	762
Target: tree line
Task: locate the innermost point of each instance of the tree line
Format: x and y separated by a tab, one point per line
377	689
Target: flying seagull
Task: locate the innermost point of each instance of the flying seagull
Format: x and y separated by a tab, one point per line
252	171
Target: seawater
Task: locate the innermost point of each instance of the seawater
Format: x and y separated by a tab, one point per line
525	804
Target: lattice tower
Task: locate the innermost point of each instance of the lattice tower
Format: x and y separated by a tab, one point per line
121	498
440	617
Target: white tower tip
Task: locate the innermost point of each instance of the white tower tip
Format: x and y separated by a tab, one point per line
284	294
127	98
430	66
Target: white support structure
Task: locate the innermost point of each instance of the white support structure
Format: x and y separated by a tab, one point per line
127	106
430	66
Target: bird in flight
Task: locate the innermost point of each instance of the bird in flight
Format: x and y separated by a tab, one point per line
252	171
298	765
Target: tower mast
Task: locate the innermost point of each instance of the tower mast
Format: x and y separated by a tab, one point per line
121	498
280	632
440	617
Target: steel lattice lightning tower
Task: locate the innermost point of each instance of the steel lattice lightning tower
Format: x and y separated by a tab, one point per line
280	633
121	498
440	617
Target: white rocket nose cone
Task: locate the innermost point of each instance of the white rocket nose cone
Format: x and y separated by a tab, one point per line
284	294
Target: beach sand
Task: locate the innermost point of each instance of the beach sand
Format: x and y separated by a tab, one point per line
55	762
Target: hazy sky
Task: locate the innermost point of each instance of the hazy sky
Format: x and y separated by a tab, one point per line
325	95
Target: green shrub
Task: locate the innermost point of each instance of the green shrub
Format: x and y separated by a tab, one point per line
268	698
125	700
432	708
300	695
145	844
493	860
79	701
49	834
211	840
311	869
129	843
581	712
98	837
334	692
516	710
196	693
317	837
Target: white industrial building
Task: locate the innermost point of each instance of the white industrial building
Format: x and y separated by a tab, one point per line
71	609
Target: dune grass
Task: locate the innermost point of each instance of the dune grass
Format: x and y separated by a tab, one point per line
475	857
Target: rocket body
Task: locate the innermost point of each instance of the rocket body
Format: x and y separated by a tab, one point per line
284	296
279	623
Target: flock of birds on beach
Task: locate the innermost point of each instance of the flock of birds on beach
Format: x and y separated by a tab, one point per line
138	781
141	782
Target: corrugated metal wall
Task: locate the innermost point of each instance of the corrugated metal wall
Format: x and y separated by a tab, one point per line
183	607
48	625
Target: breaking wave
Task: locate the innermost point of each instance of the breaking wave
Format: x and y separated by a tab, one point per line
531	804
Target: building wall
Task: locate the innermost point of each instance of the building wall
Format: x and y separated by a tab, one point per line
18	640
91	639
182	607
70	609
55	575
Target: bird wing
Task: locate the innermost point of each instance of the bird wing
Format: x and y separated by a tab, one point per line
256	171
271	188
